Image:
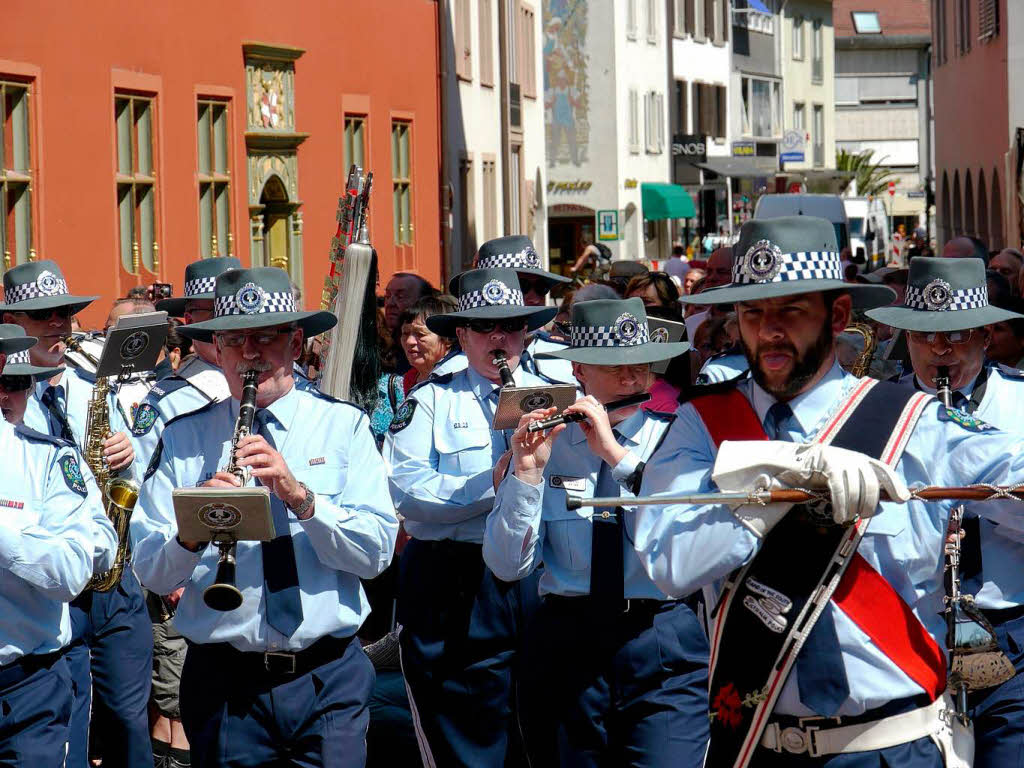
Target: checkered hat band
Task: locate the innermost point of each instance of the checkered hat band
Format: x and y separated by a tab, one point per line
18	358
27	291
474	299
807	265
506	261
963	298
607	336
200	285
272	302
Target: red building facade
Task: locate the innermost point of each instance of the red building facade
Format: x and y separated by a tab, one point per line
138	137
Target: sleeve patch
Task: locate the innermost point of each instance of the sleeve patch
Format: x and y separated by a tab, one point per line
145	418
403	416
967	421
73	474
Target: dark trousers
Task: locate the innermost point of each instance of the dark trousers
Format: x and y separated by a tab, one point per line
615	689
460	632
998	712
915	754
111	661
35	712
237	714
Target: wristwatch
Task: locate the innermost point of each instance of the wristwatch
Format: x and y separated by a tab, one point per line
307	502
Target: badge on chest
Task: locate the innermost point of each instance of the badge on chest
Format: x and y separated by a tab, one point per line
577	484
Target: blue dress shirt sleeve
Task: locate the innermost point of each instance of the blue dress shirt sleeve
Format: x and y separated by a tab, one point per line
514	531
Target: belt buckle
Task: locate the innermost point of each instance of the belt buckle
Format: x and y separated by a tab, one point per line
798	740
290	657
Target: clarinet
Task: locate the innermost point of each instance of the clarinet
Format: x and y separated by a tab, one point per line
501	362
223	595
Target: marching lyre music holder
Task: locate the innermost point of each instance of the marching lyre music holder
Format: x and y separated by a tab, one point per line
133	345
514	402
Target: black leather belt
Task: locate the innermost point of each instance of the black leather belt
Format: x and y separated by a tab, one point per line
276	663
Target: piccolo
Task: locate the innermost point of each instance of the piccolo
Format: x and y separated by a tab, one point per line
793	496
566	418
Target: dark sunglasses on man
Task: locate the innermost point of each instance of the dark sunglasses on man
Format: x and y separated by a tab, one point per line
15	383
45	314
511	325
537	285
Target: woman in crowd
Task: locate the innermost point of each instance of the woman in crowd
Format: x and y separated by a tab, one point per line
656	289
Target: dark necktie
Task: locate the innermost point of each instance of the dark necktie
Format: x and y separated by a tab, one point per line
53	399
821	677
607	565
280	573
960	401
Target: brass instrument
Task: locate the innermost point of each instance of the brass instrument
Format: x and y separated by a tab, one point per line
119	494
975	659
223	595
862	365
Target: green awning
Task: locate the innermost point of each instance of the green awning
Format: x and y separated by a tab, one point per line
666	201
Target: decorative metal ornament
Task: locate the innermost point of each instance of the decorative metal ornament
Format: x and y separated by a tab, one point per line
47	283
251	298
938	295
496	292
659	336
529	258
535	401
762	262
134	345
627	328
219	516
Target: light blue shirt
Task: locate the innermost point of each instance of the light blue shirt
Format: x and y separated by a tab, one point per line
74	395
328	446
196	384
684	547
723	368
530	523
52	533
441	461
1002	548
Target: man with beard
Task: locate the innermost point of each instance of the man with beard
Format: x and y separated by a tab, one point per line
827	637
112	656
947	319
278	680
460	625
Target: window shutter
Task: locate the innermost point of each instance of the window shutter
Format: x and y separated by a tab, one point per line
691	16
720	103
726	20
988	19
709	19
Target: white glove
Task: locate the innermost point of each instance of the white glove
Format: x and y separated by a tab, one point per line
854	481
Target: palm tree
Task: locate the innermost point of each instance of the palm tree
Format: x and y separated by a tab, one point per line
872	178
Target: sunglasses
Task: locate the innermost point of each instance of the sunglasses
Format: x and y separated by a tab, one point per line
46	314
487	326
952	337
261	339
15	383
540	287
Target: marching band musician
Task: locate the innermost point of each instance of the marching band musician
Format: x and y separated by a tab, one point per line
113	653
626	681
55	533
279	678
859	678
460	625
956	334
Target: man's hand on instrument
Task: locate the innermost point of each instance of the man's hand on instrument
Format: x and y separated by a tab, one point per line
532	450
598	430
268	467
118	451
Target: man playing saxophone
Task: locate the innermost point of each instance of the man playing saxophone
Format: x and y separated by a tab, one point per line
278	676
113	650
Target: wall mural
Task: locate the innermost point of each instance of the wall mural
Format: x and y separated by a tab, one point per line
566	93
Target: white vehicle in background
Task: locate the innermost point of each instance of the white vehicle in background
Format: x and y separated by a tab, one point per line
828	207
869	231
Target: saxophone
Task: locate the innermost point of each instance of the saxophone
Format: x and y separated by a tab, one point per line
119	494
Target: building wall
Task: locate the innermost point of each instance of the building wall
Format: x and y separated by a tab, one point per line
755	52
77	54
800	85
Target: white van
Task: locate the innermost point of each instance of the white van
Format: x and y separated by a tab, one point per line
869	229
828	207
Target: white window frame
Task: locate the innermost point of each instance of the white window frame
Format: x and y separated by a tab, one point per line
632	21
798	41
634	121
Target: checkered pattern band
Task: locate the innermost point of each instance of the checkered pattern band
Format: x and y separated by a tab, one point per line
18	358
520	260
962	298
272	302
474	299
805	265
200	285
26	291
607	336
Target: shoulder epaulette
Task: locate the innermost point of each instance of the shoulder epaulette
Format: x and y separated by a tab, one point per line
42	437
164	387
315	392
689	393
1010	372
441	379
189	414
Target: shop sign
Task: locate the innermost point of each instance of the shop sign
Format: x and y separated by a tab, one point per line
743	149
608	225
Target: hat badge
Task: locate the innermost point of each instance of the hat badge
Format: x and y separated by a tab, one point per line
250	298
762	262
528	257
659	336
938	295
495	292
626	327
47	283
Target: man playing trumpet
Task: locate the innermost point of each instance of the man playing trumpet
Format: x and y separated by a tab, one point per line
278	678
